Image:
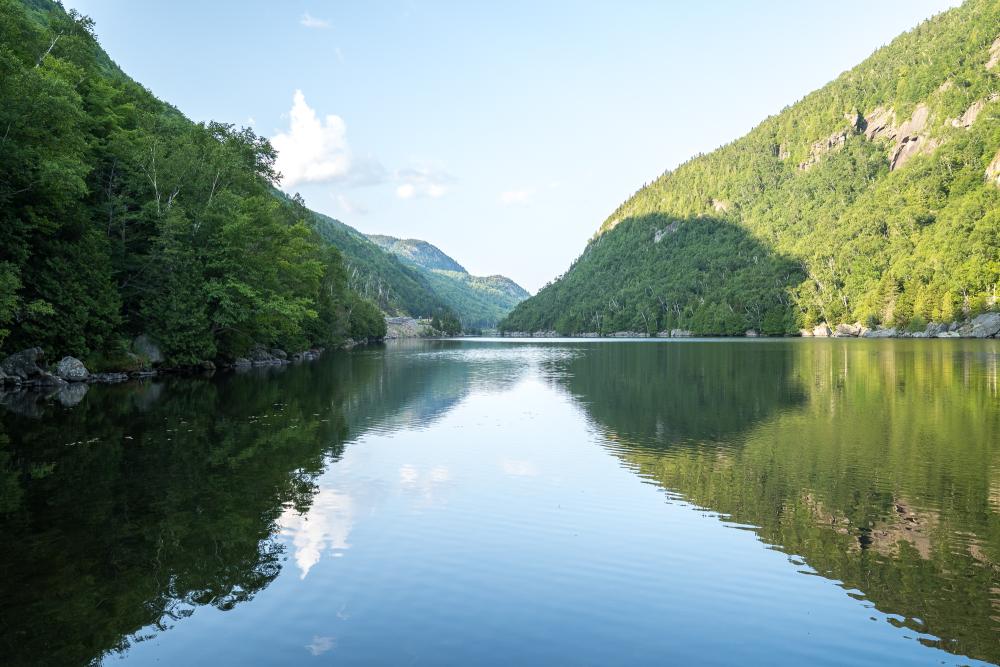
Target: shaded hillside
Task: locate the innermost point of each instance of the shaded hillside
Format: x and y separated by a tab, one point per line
396	286
882	186
479	301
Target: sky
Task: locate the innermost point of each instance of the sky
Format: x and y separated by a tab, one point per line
502	132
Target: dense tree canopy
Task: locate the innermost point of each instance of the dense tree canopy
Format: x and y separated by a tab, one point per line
119	216
874	186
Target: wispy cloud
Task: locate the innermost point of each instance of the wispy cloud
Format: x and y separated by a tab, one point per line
416	182
313	149
311	21
349	206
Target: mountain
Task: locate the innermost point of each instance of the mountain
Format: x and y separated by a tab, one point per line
874	199
120	217
396	286
479	302
419	252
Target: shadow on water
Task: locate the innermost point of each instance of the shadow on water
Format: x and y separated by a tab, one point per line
124	508
877	463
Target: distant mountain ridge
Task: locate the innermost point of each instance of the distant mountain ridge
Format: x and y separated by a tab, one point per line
419	252
872	200
479	301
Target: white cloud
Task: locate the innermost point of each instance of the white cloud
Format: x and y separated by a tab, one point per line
513	197
310	21
321	645
416	182
312	150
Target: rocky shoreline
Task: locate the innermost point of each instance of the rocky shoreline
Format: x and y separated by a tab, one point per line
986	325
29	368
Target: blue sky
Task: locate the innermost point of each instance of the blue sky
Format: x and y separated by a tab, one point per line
502	132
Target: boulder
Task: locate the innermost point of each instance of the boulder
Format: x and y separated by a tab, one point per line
680	333
242	362
261	357
986	325
72	369
23	365
821	331
847	330
891	332
806	333
144	346
751	333
947	334
207	366
934	328
278	353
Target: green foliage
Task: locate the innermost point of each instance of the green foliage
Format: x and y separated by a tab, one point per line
120	216
873	244
477	301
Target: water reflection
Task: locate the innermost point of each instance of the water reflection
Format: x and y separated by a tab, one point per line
875	462
872	463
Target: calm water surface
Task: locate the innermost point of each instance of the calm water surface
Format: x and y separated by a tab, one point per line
496	502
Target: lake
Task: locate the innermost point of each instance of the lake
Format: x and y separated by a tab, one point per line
591	502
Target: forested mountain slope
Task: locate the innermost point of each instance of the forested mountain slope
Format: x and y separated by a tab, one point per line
119	216
398	287
874	199
478	301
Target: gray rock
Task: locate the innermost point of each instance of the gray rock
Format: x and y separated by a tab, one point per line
144	346
109	378
947	334
751	333
986	325
207	366
822	331
847	330
261	357
890	332
45	379
242	362
72	369
24	364
681	333
278	353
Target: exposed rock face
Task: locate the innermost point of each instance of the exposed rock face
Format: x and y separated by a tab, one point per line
669	229
405	327
993	170
994	55
23	365
880	124
986	325
969	116
834	142
144	346
278	353
909	140
629	334
72	369
681	333
821	331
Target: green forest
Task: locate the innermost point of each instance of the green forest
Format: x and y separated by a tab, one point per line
479	302
121	217
871	200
